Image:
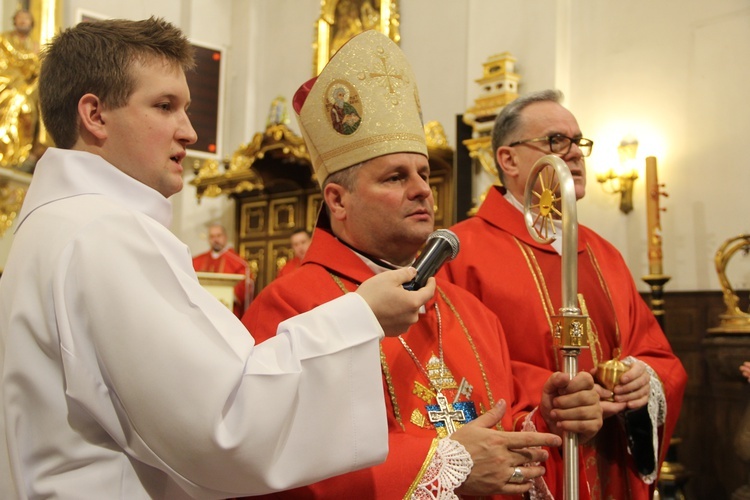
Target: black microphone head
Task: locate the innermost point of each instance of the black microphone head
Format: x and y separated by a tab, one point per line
448	236
441	246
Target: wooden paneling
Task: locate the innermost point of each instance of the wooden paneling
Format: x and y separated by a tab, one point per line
266	223
716	398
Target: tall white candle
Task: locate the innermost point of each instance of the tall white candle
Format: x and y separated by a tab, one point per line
654	224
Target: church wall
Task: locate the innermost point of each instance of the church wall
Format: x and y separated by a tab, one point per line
670	72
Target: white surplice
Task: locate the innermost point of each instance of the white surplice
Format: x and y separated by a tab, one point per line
121	377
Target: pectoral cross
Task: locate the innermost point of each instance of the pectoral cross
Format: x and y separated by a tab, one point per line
447	415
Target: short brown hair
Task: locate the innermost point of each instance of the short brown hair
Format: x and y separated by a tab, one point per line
345	178
96	58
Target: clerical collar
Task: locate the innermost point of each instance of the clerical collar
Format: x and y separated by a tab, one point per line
376	265
216	255
557	242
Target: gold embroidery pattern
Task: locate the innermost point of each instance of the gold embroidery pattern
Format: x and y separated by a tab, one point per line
606	291
367	142
391	390
388	75
418	419
593	336
440	375
422	470
541	288
423	393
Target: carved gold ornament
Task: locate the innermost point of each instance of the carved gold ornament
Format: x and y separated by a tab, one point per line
733	320
340	20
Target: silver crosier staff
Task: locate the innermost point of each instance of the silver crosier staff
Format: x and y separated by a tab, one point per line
549	197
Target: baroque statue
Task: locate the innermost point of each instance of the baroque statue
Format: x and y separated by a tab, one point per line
19	109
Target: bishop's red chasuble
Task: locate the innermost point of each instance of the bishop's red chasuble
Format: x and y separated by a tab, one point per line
290	266
520	280
228	262
476	372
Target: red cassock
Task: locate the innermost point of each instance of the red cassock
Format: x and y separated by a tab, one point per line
228	262
475	355
290	266
520	280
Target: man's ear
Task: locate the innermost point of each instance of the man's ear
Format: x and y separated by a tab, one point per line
507	161
335	196
90	112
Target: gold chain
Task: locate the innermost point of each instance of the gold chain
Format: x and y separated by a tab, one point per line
440	350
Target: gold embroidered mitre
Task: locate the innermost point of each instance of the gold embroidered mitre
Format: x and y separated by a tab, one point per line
364	104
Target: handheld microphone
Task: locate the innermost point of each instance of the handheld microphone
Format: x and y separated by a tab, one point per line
442	246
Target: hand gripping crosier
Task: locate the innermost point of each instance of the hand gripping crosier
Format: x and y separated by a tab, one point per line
550	197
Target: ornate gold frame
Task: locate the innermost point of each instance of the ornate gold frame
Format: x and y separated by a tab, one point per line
377	14
48	18
733	320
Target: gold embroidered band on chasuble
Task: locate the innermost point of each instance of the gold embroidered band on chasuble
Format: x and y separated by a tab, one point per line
364	104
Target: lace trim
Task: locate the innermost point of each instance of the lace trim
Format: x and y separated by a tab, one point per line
447	470
657	411
539	489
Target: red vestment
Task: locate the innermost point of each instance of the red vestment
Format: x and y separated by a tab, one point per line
228	262
290	266
474	349
520	280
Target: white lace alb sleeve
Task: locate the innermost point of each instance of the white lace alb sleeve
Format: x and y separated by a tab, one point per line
445	471
539	489
657	412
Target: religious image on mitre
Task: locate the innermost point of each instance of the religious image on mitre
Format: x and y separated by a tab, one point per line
364	104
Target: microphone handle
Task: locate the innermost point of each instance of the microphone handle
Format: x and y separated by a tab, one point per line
428	263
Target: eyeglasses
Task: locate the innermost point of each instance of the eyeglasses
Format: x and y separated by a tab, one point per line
560	144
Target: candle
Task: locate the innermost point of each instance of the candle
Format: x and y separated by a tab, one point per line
654	225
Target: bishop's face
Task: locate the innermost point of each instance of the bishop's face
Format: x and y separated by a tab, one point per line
542	119
389	213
